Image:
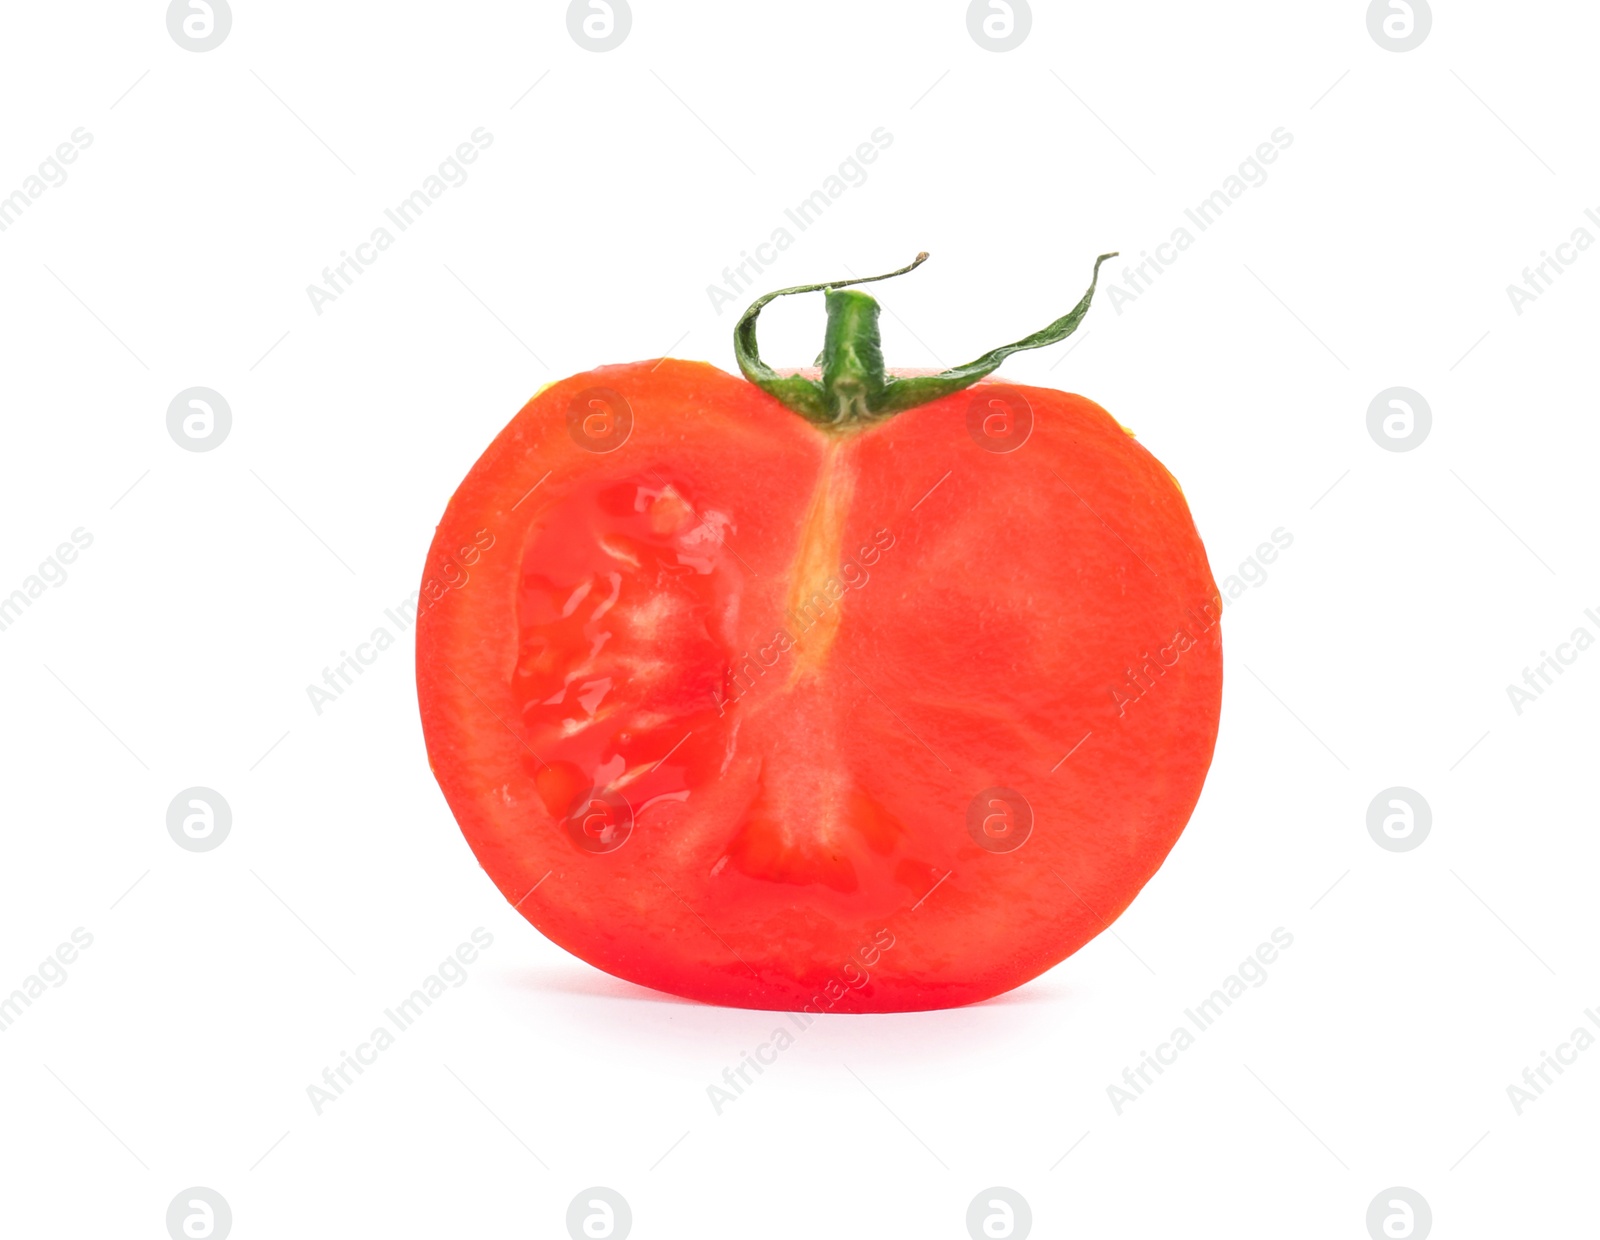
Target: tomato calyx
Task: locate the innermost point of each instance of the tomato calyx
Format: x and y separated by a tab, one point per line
855	389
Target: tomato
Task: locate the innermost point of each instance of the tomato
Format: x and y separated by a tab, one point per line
823	694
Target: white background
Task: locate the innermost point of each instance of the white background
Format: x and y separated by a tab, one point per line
1376	653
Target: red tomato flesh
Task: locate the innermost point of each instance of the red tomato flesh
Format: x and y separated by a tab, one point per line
779	717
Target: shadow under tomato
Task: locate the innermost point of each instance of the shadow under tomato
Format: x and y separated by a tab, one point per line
594	983
603	1010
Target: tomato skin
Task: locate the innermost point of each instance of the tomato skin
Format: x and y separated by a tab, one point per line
815	832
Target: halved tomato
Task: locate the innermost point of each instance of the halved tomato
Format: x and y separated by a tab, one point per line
836	693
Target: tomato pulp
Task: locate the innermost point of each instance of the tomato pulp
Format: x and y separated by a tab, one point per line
776	713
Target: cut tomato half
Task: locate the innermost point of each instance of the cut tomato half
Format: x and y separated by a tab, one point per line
880	716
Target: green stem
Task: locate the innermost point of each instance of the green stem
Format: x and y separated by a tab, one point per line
855	388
